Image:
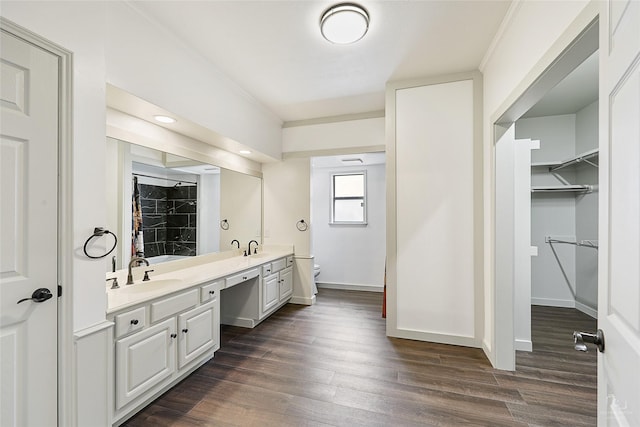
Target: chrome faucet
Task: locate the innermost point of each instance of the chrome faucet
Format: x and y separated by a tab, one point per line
135	260
234	240
255	250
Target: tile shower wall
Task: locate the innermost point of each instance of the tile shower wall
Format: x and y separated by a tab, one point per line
169	218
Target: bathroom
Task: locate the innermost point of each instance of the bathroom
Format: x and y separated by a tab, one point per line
118	47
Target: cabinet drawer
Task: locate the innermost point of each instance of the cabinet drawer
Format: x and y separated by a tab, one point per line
173	305
290	261
130	321
266	270
208	292
278	265
241	277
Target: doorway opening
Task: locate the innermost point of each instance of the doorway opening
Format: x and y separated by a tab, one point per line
546	201
348	211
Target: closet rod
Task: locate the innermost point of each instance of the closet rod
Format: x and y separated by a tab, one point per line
179	181
583	243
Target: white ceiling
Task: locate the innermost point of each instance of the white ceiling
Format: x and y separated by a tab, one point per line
274	51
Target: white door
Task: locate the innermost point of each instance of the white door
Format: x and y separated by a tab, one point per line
619	263
28	225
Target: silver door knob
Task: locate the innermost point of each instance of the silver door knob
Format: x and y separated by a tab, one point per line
581	338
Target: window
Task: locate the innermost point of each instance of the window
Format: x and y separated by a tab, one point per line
348	198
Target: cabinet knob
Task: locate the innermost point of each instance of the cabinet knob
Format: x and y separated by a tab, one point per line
174	335
134	321
212	292
185	330
244	277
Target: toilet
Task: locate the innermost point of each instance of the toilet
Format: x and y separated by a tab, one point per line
316	273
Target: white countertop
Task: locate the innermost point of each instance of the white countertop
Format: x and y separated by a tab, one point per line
182	276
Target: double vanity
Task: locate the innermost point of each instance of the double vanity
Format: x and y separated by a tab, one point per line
168	326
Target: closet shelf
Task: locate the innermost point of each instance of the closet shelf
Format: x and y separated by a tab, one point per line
562	189
580	158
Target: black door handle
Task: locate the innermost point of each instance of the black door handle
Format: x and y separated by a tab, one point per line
39	295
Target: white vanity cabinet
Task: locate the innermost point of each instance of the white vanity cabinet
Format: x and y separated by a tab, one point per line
277	286
160	341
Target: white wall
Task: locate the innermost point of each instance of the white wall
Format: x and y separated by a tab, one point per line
147	61
350	134
587	212
286	200
553	275
349	255
517	56
431	210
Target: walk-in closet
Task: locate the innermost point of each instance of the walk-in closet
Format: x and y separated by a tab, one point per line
562	130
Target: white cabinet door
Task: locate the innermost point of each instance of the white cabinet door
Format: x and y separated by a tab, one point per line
270	292
286	283
198	333
143	360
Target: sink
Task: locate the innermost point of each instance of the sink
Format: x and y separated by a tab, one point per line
150	286
259	255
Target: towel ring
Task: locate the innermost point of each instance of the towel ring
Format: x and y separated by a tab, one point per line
97	232
224	224
301	225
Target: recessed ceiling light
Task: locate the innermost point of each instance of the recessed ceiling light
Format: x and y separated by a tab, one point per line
344	23
164	119
245	152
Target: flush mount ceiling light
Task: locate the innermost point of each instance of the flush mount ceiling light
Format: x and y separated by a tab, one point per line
352	161
344	23
164	119
245	152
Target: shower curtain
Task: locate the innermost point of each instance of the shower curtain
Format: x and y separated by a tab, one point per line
137	241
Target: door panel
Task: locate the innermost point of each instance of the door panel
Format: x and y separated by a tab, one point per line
619	281
197	333
28	226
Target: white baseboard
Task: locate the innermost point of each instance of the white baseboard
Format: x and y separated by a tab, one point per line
550	302
589	311
238	321
523	345
303	300
350	286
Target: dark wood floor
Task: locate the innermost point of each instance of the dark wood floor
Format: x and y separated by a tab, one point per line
332	365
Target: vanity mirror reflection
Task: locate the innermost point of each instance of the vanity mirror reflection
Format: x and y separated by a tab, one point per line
186	207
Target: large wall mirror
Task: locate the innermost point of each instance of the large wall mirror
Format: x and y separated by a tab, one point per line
183	207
